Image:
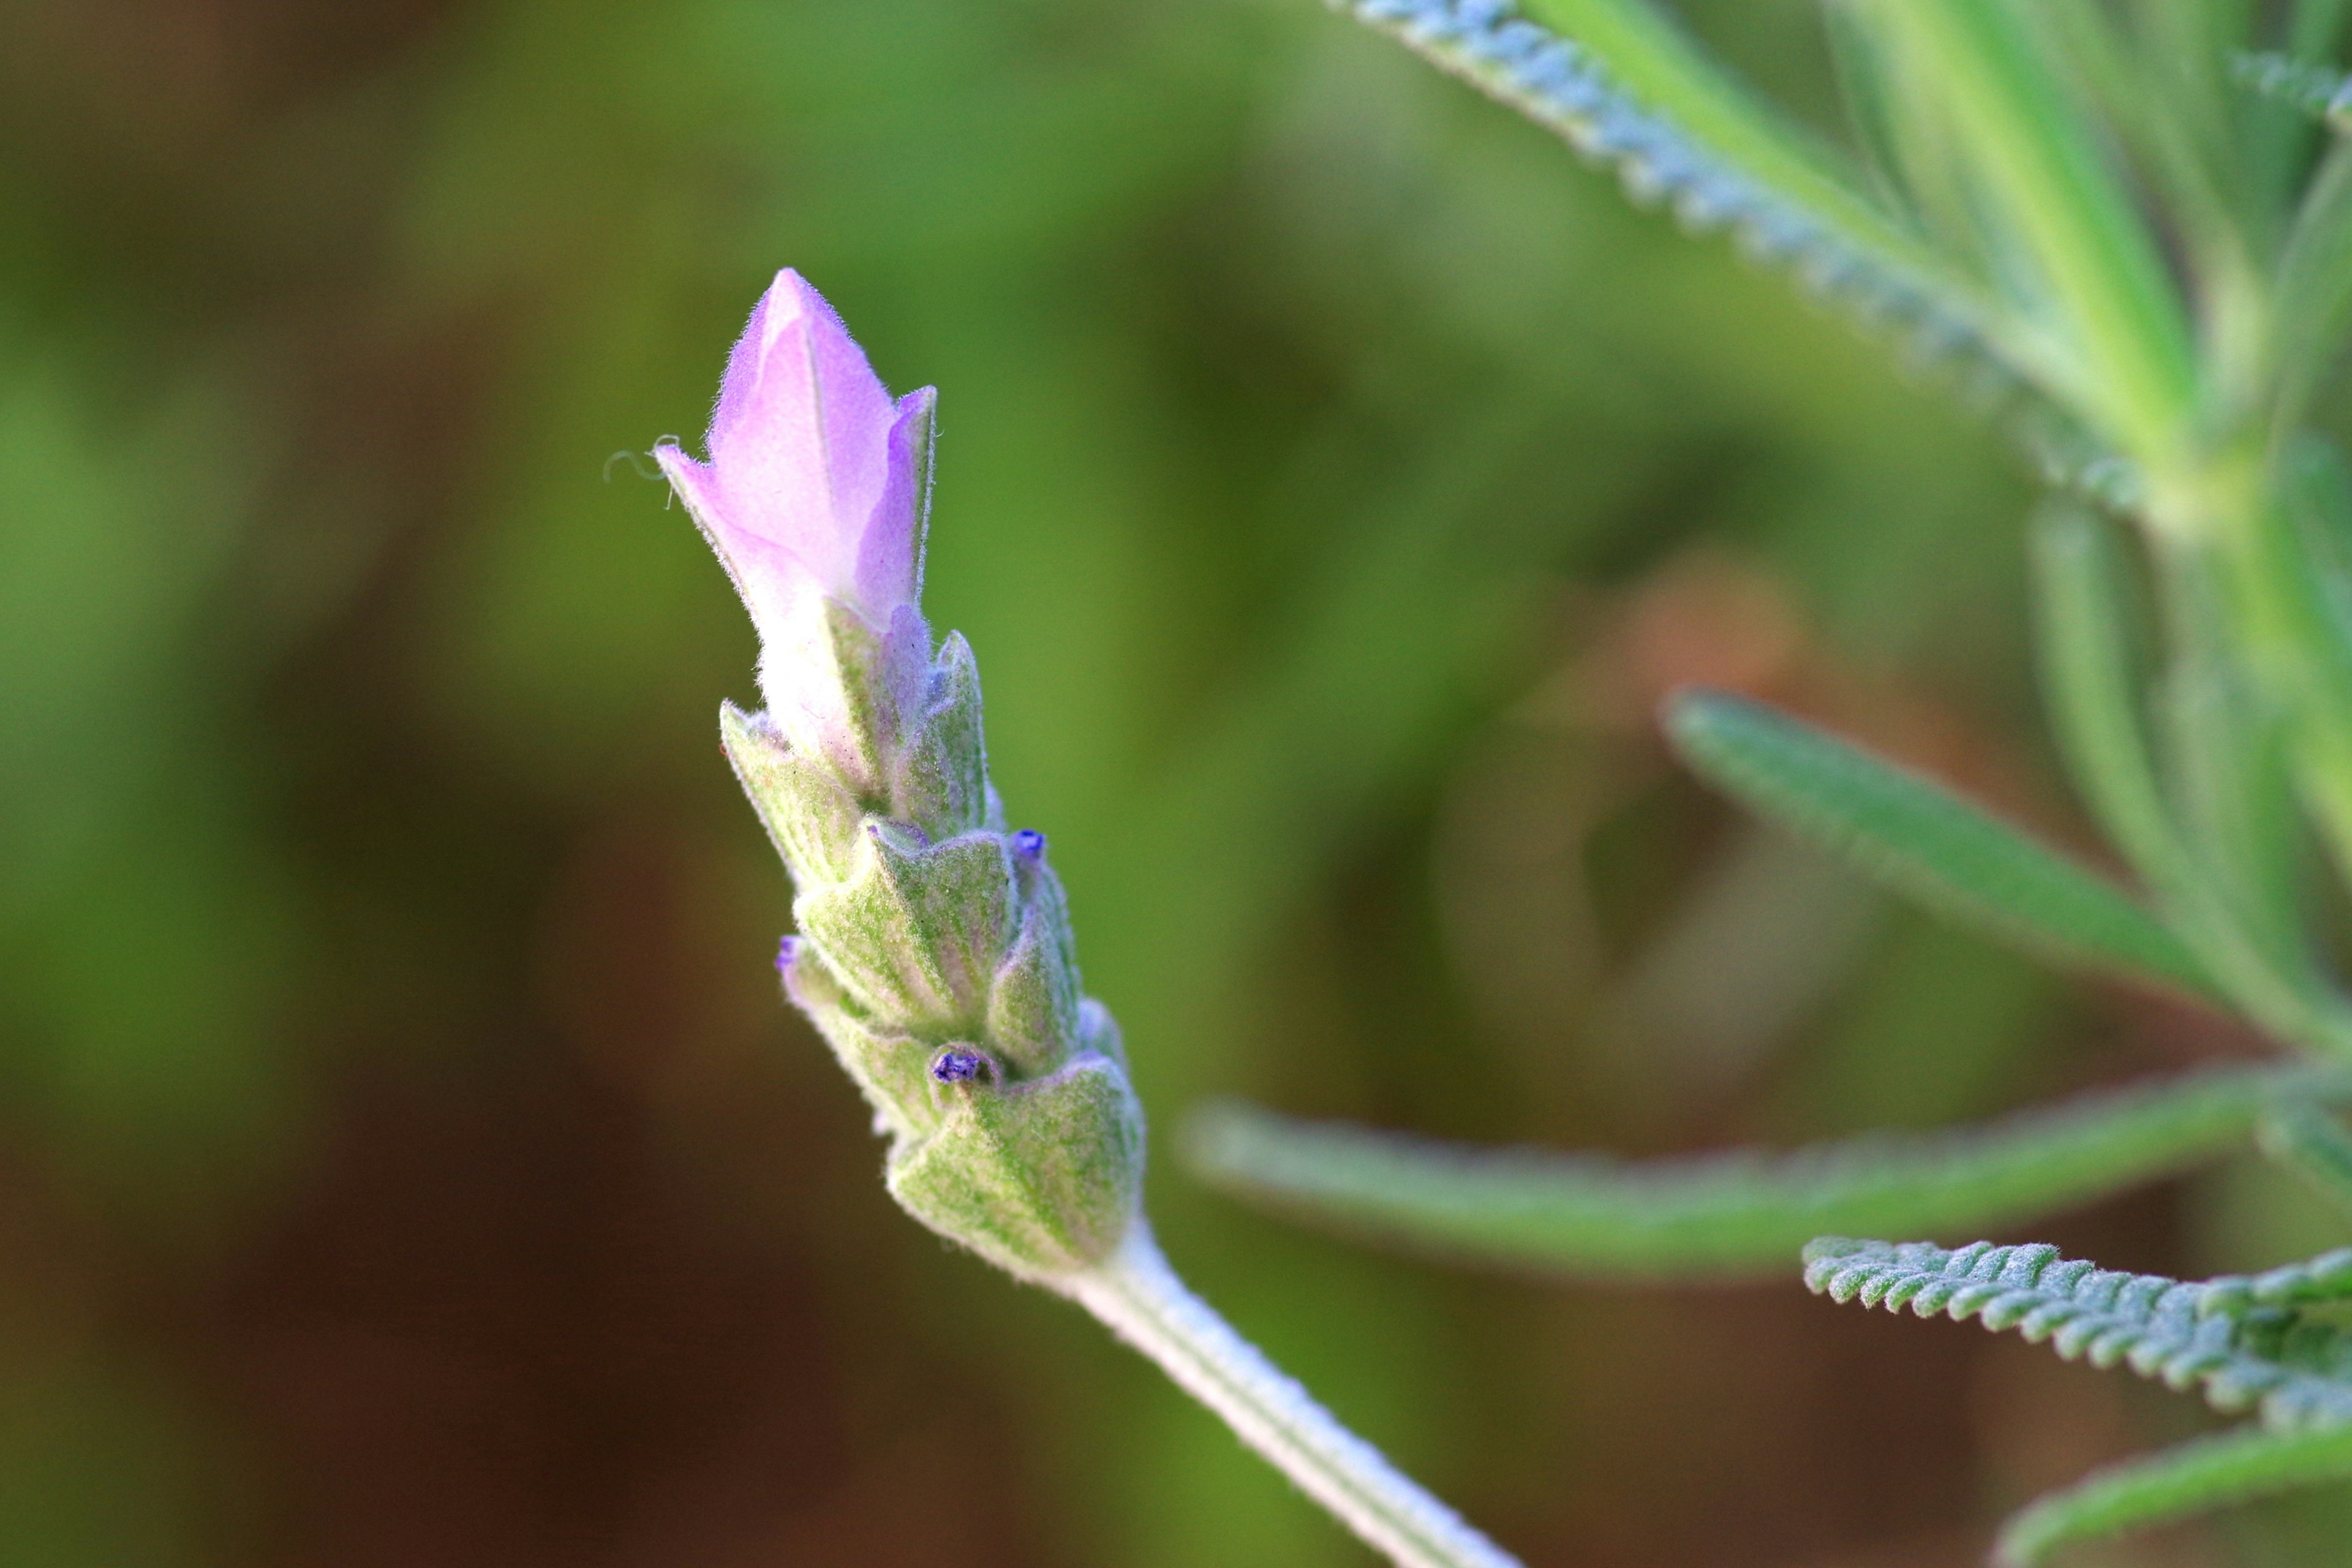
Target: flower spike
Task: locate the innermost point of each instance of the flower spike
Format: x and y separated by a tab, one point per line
934	951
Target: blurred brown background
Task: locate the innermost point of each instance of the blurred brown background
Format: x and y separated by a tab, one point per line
405	1158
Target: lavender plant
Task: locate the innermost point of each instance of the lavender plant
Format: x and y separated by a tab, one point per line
2132	225
934	949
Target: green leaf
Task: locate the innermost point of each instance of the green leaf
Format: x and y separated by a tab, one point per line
1738	1213
2244	1342
2313	307
2095	269
2310	1141
2286	627
1626	88
2313	89
2089	688
2233	786
2239	1341
2195	1477
1917	837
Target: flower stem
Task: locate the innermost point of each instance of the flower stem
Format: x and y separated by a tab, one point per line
1138	1295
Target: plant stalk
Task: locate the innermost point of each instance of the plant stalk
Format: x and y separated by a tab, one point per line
1138	1295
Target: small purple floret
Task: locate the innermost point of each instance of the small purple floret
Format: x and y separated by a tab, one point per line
786	951
957	1065
1029	844
814	498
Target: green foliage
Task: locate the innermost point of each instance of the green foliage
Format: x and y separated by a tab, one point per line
2315	286
2313	90
2309	1140
2177	1483
1917	837
2157	252
1970	79
1631	94
2241	933
1726	1215
356	758
396	881
2244	1342
2240	1342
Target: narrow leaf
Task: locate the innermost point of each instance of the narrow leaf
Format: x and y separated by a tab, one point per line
1913	835
1742	1214
1628	89
2225	1338
2089	687
2313	287
2314	90
2093	701
2310	1141
2049	188
2243	1342
2177	1483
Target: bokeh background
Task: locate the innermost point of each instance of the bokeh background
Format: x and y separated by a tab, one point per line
403	1156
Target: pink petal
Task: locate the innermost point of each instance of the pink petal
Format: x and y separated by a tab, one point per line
890	556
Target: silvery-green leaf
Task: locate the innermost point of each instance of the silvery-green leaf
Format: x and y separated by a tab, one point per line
1733	1213
1912	834
2208	1335
1629	89
2194	1478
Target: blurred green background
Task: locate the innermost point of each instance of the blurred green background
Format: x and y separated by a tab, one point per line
403	1156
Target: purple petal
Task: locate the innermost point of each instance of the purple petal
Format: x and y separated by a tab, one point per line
816	489
810	456
767	577
767	440
890	556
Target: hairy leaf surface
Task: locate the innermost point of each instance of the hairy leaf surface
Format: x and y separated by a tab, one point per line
2177	1483
1919	838
2239	1341
1742	1214
1626	88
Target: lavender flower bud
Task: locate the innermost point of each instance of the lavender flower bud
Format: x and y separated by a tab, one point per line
815	498
934	951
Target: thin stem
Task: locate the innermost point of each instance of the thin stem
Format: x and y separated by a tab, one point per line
1138	1295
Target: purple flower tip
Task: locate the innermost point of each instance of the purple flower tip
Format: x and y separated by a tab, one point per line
956	1065
816	483
786	951
1029	844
